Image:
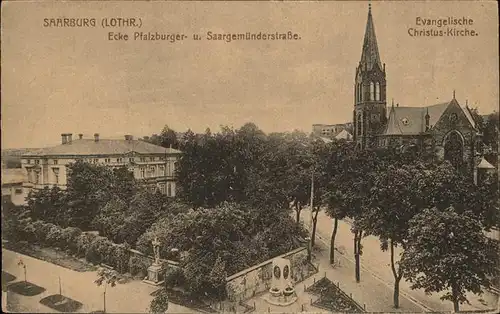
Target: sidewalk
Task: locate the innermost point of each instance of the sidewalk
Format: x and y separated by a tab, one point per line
132	297
377	263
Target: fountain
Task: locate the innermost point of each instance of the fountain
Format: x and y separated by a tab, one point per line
281	292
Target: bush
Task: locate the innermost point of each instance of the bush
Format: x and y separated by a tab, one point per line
174	277
54	236
138	267
98	250
69	237
160	303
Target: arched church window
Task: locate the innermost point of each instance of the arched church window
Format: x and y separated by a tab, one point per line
454	149
358	120
377	91
372	91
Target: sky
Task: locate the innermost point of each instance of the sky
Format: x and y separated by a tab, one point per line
74	80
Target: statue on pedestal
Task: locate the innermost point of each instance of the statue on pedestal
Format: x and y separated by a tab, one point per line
155	272
156	251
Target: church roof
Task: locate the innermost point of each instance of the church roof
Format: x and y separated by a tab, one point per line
102	147
411	120
370	55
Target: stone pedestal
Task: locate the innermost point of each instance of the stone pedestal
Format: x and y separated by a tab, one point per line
155	276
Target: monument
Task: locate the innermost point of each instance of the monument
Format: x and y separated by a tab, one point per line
282	292
155	270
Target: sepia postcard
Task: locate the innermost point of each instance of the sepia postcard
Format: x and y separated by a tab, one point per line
250	156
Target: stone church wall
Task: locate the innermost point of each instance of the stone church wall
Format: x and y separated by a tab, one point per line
445	125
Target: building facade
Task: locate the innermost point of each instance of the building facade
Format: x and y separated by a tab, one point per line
12	185
447	128
152	165
331	131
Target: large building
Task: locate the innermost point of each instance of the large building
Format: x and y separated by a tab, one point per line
154	166
447	128
333	131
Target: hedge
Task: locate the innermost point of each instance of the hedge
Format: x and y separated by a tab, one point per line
95	249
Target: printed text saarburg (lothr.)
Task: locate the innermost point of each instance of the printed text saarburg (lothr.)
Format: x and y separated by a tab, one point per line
121	25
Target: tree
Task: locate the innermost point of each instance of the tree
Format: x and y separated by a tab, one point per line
159	304
46	204
449	250
168	138
395	200
106	277
89	188
353	189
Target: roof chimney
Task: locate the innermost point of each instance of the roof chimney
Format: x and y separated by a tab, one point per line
70	138
64	140
129	137
96	137
80	136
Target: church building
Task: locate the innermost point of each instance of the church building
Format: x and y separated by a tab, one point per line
447	128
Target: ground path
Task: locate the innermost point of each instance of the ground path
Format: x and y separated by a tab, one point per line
132	297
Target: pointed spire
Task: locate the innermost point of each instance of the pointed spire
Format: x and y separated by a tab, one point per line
393	102
370	55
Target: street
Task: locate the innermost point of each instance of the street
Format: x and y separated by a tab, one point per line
132	297
377	264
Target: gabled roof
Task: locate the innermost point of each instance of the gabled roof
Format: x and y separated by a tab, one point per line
12	176
484	164
102	147
370	55
344	134
411	120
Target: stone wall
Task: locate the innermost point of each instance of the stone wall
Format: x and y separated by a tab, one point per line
257	279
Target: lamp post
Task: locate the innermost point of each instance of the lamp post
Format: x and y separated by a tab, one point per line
310	244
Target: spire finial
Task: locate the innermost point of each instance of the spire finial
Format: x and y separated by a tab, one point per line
393	102
370	6
453	94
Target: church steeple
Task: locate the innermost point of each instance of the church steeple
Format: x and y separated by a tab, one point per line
369	91
370	55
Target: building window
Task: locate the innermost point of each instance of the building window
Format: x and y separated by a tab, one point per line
28	161
96	161
142	173
37	162
119	159
55	161
359	124
107	160
18	191
360	92
377	91
56	174
169	189
143	159
162	170
131	159
152	158
162	188
372	91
